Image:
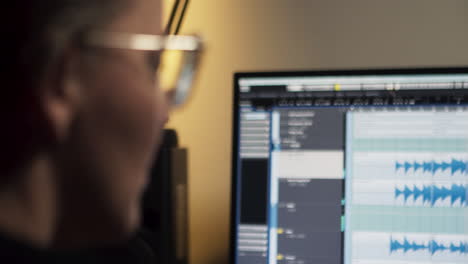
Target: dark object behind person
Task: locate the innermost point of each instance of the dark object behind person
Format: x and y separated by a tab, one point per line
165	203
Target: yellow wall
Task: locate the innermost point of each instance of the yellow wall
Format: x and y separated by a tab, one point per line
248	35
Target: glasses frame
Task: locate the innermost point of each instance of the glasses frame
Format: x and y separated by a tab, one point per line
191	45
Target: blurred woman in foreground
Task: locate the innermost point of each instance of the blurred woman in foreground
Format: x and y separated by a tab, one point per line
82	116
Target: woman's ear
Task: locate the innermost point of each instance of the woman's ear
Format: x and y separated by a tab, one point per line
61	94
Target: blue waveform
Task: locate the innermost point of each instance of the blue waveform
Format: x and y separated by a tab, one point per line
431	194
431	246
433	166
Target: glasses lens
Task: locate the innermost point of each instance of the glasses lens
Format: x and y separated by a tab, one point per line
170	67
176	73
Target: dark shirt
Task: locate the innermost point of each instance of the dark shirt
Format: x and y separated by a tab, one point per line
134	251
13	251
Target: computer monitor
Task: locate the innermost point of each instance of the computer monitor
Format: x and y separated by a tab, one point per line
353	167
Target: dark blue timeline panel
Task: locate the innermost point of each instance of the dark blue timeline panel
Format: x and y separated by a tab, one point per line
306	186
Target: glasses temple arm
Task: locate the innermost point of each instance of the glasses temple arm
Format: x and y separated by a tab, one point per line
181	18
172	17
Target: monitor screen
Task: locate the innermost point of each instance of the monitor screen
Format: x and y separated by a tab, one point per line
353	167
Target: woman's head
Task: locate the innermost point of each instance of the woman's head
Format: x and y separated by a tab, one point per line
95	114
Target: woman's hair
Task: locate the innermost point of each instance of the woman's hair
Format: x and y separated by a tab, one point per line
34	35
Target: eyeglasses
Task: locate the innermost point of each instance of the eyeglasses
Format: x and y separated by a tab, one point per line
178	60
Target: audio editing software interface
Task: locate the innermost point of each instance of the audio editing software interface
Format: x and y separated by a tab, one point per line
365	169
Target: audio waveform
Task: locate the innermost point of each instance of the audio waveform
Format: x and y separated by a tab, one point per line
431	246
432	166
431	194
